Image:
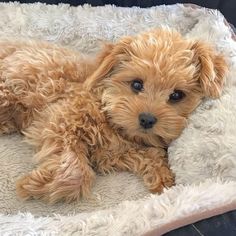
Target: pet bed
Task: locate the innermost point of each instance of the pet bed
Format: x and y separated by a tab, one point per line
203	158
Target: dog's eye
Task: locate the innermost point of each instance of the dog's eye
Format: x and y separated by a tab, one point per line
176	96
137	85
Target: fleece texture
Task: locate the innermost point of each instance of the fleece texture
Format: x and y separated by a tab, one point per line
203	158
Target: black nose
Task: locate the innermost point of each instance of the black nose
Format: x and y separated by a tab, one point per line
147	120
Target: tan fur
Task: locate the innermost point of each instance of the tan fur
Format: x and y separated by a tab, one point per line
81	128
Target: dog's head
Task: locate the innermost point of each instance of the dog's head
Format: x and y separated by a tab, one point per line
150	83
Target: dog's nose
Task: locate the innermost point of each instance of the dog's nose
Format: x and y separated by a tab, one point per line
147	120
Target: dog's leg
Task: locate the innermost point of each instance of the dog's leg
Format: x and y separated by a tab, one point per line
63	136
64	176
149	163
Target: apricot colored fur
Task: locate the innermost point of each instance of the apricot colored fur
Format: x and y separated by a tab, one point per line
81	114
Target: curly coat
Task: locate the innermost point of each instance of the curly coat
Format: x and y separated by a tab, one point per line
81	114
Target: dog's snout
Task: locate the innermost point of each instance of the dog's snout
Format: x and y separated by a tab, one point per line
147	120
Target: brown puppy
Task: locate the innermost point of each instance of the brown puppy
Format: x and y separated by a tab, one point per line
135	100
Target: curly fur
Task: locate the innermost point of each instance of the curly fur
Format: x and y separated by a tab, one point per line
81	115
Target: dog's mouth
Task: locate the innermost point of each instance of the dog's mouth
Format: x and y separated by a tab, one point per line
144	131
150	138
144	137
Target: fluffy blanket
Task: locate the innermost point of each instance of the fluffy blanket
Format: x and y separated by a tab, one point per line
203	158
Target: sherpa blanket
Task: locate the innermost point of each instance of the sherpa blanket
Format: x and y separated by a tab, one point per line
203	158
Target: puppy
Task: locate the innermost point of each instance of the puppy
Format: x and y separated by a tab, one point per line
118	111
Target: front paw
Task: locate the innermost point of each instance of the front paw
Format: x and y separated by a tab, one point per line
33	185
52	188
159	178
71	188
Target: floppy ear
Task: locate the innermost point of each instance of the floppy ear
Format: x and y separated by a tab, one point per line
212	69
109	57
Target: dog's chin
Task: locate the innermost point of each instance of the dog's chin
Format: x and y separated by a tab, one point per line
142	136
137	132
145	131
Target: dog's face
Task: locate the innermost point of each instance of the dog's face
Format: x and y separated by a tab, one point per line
151	83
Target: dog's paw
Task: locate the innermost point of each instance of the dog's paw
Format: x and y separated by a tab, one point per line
22	186
167	177
158	179
33	185
71	188
52	188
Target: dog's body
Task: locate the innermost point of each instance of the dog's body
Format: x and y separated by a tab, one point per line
118	111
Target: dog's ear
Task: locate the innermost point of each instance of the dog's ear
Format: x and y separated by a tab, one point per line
110	56
212	69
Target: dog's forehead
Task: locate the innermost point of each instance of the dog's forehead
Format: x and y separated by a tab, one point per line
159	40
165	68
165	50
162	60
